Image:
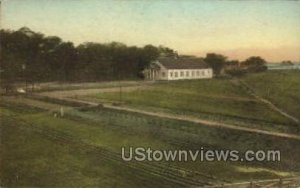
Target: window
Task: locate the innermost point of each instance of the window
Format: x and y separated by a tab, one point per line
176	74
193	73
171	74
163	74
198	73
187	73
202	72
181	74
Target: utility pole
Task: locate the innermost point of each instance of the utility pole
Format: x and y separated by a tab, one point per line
24	76
120	88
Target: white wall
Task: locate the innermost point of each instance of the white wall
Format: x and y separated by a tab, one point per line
181	74
162	73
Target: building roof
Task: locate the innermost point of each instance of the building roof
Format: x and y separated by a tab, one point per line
183	63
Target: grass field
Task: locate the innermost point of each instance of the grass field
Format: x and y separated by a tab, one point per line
280	87
216	99
83	149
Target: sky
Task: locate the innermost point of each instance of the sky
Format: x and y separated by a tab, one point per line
237	29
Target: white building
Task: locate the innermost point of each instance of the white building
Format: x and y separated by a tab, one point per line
178	69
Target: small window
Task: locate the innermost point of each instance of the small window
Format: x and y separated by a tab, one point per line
193	73
203	73
176	74
198	73
181	74
187	73
171	74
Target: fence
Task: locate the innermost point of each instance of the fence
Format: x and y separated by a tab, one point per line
291	182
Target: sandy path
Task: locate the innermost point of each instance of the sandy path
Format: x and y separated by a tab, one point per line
205	122
201	122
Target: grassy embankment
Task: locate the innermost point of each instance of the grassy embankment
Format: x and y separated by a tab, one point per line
217	99
280	87
83	148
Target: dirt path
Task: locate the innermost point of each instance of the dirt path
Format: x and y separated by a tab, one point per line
205	122
185	118
65	95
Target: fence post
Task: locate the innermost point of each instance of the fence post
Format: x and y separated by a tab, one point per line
280	183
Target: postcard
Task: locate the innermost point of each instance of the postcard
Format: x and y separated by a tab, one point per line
163	93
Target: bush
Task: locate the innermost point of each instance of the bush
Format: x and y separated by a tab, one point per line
261	68
236	72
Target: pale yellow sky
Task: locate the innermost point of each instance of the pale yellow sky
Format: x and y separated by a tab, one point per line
238	29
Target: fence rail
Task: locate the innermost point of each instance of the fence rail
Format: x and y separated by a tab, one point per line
291	182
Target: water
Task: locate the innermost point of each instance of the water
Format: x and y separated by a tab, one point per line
278	66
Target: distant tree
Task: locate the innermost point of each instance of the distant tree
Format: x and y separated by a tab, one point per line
149	53
235	72
216	61
94	62
166	52
187	56
288	62
254	64
8	72
232	63
50	58
10	60
67	57
233	69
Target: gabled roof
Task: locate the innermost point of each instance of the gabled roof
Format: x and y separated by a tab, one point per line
183	63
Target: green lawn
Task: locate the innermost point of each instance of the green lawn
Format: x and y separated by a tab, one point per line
83	148
216	99
280	87
40	150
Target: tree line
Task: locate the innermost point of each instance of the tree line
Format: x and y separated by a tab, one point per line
33	57
222	66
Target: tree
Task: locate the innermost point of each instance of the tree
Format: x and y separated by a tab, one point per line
166	52
216	61
10	60
51	59
236	72
233	68
288	62
233	63
8	72
254	64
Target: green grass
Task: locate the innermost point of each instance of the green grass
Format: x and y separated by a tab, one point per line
85	85
40	150
38	158
214	99
280	87
30	159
